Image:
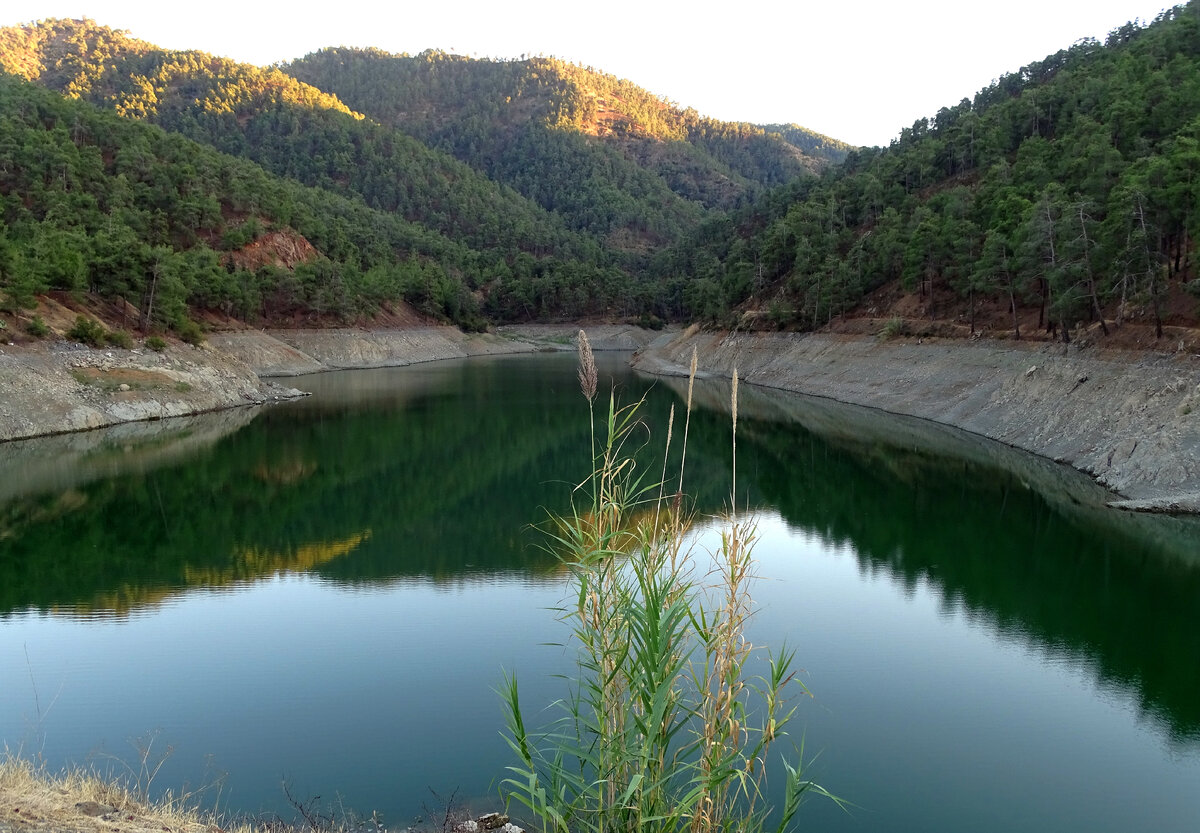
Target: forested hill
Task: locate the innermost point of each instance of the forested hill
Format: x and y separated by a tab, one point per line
533	171
1064	195
593	147
165	228
290	128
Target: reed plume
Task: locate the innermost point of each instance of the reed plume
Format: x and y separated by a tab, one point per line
587	367
587	384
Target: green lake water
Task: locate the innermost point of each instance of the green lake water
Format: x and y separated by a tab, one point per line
325	594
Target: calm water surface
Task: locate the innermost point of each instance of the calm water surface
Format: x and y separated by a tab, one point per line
325	594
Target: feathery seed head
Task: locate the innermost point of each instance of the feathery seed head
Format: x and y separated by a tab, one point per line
587	367
733	398
691	379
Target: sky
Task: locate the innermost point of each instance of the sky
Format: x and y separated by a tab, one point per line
856	71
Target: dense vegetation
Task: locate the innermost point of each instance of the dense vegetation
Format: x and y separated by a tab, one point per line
290	128
1064	193
93	202
454	241
1070	186
574	245
605	154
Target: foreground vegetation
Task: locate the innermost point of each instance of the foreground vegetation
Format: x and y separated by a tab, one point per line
79	800
665	728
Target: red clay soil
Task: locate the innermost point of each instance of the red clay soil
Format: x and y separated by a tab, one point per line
283	248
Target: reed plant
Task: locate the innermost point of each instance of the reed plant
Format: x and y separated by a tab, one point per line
664	728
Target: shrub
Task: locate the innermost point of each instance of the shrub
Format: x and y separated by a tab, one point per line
88	331
37	327
471	322
650	321
779	315
189	332
156	343
659	731
119	338
893	328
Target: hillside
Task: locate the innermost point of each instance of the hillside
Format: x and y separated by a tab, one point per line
162	229
557	218
290	128
1062	199
551	158
566	136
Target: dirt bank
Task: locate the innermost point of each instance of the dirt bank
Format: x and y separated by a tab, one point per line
296	352
1131	420
58	387
53	388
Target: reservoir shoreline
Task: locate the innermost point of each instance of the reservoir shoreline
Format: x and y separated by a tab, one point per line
1130	420
61	387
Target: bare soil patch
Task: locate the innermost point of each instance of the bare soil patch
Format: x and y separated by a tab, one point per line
115	377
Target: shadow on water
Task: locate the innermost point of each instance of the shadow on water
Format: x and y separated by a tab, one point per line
437	471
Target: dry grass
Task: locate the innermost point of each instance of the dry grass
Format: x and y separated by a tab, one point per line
82	801
35	800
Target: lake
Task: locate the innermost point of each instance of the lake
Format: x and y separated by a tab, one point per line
324	594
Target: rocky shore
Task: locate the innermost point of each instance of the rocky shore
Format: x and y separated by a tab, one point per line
60	387
1130	420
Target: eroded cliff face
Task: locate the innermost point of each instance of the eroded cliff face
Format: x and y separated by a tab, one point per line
1131	420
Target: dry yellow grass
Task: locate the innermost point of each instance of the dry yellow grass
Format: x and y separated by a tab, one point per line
78	801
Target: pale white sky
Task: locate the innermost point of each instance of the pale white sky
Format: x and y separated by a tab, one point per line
857	71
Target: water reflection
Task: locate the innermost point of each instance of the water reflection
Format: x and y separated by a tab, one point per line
1117	592
434	474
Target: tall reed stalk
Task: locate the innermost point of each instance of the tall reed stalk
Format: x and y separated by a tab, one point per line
663	729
